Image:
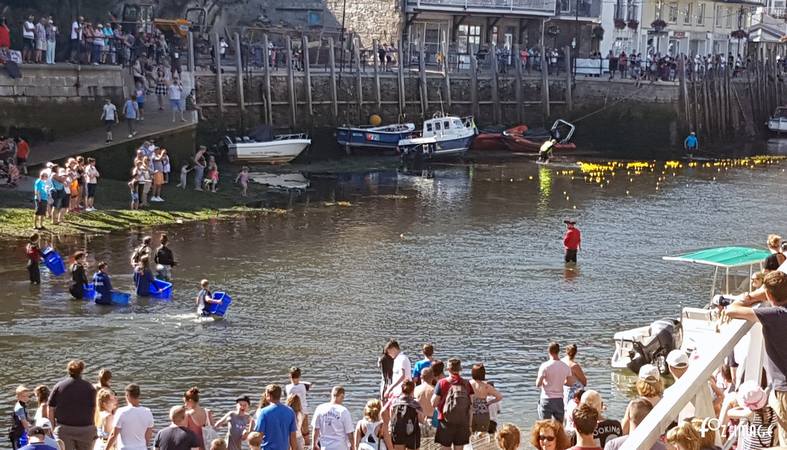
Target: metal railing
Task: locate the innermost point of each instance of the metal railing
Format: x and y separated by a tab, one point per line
696	377
524	6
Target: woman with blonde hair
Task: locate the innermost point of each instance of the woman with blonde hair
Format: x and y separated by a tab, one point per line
684	437
370	432
106	404
301	421
197	417
508	437
549	435
649	386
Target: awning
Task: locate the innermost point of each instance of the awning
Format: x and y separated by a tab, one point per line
725	257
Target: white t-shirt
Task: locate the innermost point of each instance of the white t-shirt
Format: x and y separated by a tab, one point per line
132	421
300	390
91	174
223	47
76	31
401	366
334	423
28	30
110	112
174	92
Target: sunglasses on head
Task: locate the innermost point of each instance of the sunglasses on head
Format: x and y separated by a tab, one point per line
546	438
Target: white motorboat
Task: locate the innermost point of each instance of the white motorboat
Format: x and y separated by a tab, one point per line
263	147
441	136
777	123
696	327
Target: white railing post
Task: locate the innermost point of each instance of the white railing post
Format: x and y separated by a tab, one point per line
685	389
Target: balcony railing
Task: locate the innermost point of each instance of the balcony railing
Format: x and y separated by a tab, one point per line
696	377
587	8
542	7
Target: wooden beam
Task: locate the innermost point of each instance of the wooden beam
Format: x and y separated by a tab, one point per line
474	85
422	80
569	80
332	67
217	63
455	22
268	99
493	85
518	84
307	80
544	74
400	82
239	70
375	49
291	82
358	81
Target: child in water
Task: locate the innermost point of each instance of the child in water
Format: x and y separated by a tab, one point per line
204	297
184	174
132	185
33	253
243	180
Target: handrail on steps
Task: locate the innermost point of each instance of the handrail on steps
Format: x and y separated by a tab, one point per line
697	376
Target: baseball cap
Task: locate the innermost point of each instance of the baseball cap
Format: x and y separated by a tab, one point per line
649	372
243	398
677	358
571	221
44	423
751	395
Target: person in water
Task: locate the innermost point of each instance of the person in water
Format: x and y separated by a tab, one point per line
164	259
102	285
545	153
691	144
78	277
33	252
205	297
571	240
143	277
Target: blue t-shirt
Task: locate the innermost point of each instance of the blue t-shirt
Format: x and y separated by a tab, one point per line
38	446
103	287
40	189
276	422
691	141
130	109
419	366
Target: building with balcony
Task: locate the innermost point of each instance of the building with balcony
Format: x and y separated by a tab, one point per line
460	28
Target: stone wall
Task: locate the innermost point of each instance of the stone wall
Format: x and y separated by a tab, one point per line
369	19
51	101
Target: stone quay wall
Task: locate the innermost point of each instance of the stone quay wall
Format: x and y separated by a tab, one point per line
611	113
51	101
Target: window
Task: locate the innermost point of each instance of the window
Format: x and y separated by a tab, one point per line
631	13
315	18
700	13
619	10
730	13
437	126
428	126
446	125
658	10
458	124
718	15
673	12
565	6
689	12
474	39
468	38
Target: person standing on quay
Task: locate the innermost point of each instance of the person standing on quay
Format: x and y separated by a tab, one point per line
332	424
131	112
276	422
552	376
109	114
71	407
571	240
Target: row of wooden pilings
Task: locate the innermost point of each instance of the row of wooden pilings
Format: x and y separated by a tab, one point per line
423	100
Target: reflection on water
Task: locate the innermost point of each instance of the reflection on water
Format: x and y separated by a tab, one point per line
466	257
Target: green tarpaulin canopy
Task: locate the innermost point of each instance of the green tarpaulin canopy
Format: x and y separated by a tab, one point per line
725	257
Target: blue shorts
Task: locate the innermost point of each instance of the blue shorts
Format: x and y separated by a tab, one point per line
174	104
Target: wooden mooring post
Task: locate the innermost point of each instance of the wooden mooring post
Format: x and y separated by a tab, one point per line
267	65
332	67
544	74
377	96
307	77
239	70
358	81
422	80
569	80
219	84
493	84
447	79
291	82
474	86
518	85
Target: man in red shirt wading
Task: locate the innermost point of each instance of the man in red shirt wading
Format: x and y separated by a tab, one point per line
571	240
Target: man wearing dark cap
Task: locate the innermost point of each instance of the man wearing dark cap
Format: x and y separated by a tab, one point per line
571	240
37	436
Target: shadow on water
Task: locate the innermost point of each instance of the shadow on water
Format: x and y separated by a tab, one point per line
467	256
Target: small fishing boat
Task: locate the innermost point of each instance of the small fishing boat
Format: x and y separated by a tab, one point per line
262	146
777	123
380	139
696	327
521	139
440	137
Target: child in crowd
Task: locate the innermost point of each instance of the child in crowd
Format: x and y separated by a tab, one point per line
140	92
13	173
132	185
218	444
255	440
298	388
21	421
166	164
243	180
428	352
237	422
91	180
184	173
212	181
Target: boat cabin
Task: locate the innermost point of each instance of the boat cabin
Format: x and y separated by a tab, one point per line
447	126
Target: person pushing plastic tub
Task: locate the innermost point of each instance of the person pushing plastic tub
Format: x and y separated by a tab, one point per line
102	285
78	277
204	297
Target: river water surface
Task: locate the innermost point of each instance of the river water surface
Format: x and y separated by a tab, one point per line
466	257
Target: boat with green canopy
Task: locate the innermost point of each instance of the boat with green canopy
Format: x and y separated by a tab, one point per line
696	327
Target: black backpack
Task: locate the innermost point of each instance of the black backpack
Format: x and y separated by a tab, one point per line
404	421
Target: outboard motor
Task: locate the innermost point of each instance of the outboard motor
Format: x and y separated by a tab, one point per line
665	336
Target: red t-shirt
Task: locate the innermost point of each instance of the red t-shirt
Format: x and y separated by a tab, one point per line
22	149
33	253
572	239
442	387
5	37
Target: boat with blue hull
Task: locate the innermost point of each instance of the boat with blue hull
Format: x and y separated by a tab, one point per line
378	139
441	137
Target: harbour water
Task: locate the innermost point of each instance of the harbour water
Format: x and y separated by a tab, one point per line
467	257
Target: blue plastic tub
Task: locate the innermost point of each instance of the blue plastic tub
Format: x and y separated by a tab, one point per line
164	286
219	309
88	292
120	298
53	261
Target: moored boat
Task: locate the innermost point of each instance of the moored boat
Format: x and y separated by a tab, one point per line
777	123
264	147
380	139
440	137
